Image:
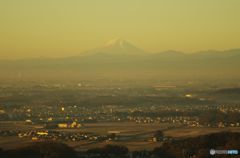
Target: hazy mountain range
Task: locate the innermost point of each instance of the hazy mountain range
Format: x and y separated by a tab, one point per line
120	57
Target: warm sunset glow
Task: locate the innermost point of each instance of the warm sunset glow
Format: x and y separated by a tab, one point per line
56	28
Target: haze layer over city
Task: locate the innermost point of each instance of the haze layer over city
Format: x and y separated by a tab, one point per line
119	79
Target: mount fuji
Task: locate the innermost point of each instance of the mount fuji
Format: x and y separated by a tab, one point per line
117	47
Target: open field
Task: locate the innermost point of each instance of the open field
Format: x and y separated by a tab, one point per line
132	145
18	125
193	132
124	128
12	142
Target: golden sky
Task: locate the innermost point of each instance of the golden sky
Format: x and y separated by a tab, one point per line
56	28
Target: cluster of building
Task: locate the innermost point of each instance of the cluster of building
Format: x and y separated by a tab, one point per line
54	135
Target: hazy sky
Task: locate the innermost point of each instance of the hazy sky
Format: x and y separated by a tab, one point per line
52	28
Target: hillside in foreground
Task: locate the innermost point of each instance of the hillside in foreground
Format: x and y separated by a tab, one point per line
197	147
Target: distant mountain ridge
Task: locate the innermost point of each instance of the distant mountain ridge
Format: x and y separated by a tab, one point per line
121	57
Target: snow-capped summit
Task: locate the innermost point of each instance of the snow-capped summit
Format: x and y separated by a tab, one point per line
121	47
116	42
